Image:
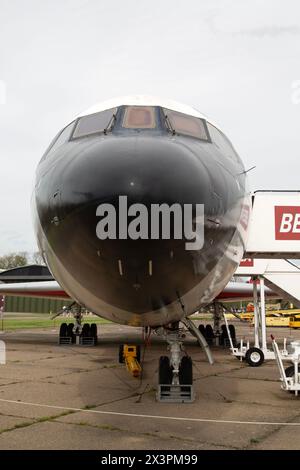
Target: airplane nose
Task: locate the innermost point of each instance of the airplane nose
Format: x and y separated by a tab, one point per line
146	170
139	275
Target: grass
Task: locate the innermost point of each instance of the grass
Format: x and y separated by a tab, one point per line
254	440
24	321
16	321
43	419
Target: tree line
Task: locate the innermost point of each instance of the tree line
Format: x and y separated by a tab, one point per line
16	260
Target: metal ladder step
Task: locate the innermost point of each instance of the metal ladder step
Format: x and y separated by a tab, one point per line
87	340
65	340
175	393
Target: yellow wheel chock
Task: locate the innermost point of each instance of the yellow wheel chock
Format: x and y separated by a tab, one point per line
130	355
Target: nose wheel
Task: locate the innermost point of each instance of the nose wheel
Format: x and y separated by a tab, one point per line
186	371
165	371
175	373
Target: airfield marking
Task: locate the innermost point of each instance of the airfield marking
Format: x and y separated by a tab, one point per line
135	415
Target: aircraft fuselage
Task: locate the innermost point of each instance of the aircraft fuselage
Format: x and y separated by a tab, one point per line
137	264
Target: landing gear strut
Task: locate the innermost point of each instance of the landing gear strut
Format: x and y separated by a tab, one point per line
77	333
175	372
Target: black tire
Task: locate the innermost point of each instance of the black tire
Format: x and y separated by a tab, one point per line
138	353
209	331
209	334
63	330
254	357
224	335
186	371
86	330
290	371
121	352
70	333
202	330
232	332
165	373
94	330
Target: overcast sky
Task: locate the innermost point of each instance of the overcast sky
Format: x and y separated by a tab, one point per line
236	61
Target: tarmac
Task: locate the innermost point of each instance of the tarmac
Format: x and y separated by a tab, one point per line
80	397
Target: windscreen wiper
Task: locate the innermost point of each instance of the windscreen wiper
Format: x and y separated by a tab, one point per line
169	125
110	124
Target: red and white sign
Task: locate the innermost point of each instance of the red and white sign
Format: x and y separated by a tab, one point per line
287	222
246	263
274	226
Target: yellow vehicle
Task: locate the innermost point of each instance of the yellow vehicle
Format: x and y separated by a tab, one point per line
229	316
277	319
247	316
286	316
274	317
295	321
287	313
280	317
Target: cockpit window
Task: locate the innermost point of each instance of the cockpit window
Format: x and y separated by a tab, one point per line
139	117
94	123
219	139
184	124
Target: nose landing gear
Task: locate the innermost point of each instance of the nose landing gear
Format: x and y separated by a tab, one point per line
175	373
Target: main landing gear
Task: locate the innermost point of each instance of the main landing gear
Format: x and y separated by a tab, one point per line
220	337
76	333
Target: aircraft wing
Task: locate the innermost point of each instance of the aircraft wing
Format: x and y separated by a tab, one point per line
234	291
46	289
237	291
